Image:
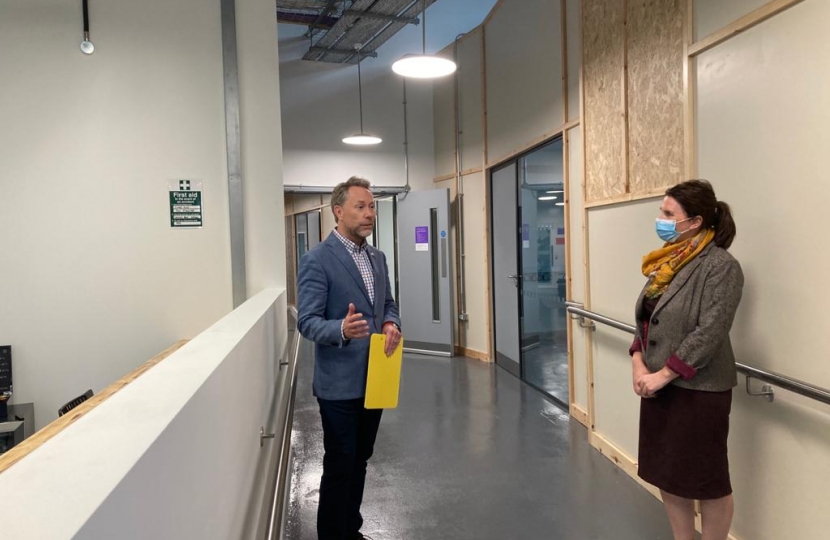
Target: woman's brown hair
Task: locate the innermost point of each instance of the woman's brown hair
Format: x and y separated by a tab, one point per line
697	198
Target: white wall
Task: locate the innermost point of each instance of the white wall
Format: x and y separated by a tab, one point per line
576	249
261	136
573	14
523	44
320	107
95	281
618	237
763	112
174	454
477	329
444	123
761	132
712	15
522	108
471	97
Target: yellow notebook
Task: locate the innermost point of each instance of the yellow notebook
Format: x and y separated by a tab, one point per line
383	379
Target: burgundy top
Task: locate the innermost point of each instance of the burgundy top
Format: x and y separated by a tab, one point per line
674	363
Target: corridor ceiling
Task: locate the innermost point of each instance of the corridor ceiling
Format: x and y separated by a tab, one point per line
335	26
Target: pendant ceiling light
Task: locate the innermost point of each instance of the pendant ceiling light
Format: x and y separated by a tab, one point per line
86	45
361	138
423	66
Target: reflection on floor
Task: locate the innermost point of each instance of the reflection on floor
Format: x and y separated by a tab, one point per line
546	368
472	453
545	365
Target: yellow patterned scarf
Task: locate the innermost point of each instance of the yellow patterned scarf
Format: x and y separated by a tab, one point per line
661	265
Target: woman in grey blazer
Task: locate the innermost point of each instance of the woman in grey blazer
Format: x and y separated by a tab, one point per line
682	360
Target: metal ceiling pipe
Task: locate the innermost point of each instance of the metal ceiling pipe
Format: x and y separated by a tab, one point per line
381	16
346	52
459	189
405	143
306	19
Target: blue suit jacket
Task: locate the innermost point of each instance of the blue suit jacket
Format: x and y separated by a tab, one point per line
328	281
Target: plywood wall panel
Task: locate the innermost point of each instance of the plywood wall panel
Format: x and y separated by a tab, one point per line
655	94
603	46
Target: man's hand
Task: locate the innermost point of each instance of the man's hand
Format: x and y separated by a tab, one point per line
393	337
354	325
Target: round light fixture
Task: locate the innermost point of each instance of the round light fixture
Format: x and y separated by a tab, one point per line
362	139
86	45
423	66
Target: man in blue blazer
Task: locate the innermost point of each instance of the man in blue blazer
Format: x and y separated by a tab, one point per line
344	296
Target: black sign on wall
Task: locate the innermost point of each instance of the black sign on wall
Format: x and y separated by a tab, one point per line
5	369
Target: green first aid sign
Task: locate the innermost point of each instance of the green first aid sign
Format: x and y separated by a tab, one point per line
185	203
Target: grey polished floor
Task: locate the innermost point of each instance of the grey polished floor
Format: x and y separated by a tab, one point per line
546	368
473	453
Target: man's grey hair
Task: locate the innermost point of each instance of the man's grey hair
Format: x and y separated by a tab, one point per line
341	191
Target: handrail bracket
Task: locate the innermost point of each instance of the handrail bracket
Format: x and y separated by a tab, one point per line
767	391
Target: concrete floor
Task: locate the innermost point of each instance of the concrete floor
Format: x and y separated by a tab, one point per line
473	453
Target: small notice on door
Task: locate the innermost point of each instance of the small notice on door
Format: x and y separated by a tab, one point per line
421	238
185	203
525	235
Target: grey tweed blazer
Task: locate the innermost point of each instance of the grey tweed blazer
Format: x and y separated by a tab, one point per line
692	321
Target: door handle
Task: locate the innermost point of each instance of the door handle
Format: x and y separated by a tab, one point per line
515	276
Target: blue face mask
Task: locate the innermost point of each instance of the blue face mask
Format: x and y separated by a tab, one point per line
667	229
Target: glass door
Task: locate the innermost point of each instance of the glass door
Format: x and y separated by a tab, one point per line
544	339
529	272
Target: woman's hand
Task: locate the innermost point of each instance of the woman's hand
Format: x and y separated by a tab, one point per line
638	370
650	383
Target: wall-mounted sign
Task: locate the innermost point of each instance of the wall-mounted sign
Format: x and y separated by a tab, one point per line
185	203
421	238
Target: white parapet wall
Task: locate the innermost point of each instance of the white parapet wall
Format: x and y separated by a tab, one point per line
175	454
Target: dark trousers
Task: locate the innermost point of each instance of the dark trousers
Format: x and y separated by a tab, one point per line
349	433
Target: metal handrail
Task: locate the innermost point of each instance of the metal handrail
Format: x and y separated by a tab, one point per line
278	489
788	383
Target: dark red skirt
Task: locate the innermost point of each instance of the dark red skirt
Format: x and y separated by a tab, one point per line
683	442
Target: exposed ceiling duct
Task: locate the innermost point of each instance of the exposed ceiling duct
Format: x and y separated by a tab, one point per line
336	26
